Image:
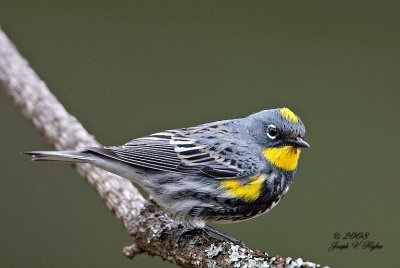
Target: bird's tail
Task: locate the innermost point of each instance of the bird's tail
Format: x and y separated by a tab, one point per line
63	156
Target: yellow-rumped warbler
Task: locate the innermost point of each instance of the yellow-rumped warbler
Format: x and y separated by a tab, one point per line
223	171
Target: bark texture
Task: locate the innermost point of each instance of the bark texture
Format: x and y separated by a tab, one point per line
153	230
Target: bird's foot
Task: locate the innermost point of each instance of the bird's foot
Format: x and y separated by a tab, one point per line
224	235
190	231
193	231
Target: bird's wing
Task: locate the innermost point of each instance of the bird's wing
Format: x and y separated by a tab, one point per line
199	150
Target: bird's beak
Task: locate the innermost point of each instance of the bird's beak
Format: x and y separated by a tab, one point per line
298	143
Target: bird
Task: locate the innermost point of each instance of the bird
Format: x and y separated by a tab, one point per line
219	172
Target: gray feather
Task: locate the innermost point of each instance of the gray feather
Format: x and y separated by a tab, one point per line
64	156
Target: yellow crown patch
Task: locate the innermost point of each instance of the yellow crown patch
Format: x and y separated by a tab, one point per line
289	115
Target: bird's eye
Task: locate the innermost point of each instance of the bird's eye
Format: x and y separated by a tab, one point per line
272	132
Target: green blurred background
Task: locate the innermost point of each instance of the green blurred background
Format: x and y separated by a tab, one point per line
130	68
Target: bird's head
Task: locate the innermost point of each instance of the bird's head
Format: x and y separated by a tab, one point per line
280	133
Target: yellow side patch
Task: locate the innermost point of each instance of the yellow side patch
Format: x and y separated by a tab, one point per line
285	157
289	115
248	191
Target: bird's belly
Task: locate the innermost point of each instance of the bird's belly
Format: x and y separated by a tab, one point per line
202	198
241	211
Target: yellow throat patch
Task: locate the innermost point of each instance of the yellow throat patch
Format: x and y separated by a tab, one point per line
248	192
289	115
285	157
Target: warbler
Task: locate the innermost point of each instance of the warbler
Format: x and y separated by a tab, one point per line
221	172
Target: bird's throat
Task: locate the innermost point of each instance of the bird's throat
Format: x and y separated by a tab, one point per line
285	157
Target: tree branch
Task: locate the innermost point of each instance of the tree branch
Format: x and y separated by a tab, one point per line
153	230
